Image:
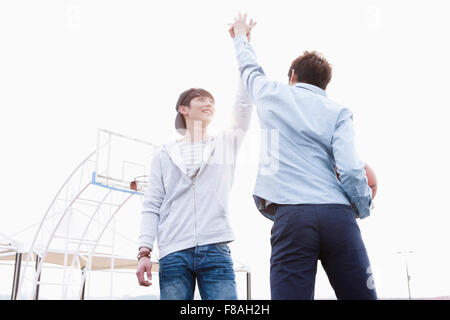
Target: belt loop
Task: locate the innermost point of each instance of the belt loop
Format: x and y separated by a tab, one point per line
274	208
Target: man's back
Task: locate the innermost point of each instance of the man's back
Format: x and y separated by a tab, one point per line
301	168
304	136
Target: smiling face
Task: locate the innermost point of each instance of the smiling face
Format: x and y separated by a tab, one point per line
202	108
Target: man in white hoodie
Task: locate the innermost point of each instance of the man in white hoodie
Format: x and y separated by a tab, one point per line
185	205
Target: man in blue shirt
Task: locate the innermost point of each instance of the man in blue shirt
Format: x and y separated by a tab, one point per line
304	137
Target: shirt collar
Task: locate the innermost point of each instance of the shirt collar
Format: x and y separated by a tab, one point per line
311	87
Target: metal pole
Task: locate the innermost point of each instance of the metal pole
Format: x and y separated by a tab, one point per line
249	286
17	267
83	270
38	261
408	277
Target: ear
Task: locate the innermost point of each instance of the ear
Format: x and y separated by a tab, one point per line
183	110
293	78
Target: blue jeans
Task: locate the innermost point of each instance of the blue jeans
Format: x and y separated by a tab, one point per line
211	265
305	233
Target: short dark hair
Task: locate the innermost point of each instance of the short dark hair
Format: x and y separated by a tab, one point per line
194	94
312	68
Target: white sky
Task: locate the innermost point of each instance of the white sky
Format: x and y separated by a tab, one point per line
70	67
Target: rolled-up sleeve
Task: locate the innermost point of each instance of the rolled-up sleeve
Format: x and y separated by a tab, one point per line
153	197
350	168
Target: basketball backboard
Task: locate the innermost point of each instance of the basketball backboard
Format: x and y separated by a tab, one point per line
120	160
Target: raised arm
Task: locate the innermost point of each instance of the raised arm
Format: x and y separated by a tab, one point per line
242	109
350	168
252	74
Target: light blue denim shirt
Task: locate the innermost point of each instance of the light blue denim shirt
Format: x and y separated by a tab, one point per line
304	136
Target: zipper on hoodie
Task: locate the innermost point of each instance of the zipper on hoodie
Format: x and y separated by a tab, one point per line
195	214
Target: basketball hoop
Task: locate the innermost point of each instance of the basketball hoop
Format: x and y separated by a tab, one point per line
139	183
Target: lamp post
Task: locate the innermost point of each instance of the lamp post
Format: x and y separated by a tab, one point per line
408	277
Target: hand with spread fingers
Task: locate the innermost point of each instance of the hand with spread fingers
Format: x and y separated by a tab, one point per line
240	26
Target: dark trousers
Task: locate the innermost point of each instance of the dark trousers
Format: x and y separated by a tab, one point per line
305	233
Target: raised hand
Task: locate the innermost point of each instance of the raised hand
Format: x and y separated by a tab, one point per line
240	26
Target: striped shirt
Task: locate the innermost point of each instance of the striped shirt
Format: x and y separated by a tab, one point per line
192	153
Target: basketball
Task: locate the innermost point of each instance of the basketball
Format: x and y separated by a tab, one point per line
371	178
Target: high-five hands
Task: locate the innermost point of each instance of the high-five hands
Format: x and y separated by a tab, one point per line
240	26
